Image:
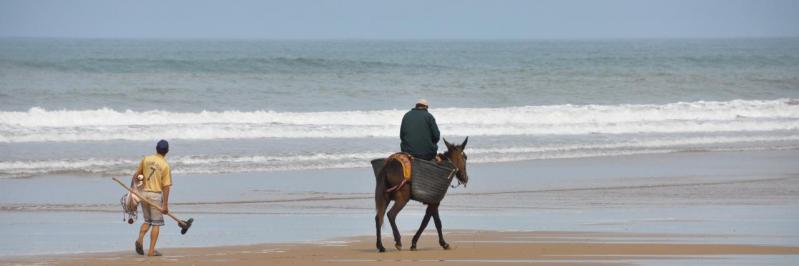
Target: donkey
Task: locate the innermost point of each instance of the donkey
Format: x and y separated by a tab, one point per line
391	175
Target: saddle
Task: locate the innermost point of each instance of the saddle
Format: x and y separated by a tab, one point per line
405	159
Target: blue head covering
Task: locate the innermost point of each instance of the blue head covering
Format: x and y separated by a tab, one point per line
162	147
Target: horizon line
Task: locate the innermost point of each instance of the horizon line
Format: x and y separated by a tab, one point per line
406	39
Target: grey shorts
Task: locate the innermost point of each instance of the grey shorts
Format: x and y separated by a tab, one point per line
152	215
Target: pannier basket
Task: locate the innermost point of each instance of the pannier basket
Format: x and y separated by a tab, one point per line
429	181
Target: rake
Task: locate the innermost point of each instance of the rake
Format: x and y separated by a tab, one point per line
184	225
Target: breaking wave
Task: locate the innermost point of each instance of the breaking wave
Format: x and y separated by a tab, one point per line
215	163
41	125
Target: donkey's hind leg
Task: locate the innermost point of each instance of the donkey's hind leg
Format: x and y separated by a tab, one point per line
382	204
399	202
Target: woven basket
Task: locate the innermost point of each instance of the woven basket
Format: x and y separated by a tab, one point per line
429	182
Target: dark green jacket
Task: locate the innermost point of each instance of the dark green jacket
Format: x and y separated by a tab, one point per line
419	134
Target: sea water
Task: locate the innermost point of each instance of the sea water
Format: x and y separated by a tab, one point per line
95	107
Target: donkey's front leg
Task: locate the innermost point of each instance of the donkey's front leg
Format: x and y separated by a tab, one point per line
437	220
427	214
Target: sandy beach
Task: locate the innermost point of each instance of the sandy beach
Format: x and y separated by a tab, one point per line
665	209
468	248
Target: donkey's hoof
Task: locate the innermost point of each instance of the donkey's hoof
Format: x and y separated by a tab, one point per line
445	246
413	248
398	246
381	249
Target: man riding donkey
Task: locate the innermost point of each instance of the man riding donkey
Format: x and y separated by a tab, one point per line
419	135
419	132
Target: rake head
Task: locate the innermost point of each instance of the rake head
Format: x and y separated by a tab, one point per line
184	225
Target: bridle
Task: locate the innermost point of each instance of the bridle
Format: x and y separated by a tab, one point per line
454	170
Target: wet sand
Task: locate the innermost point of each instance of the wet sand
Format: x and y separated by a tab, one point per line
468	247
670	209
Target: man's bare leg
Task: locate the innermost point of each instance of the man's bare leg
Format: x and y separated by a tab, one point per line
144	228
153	239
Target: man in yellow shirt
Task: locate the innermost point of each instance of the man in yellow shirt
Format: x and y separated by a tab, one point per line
157	181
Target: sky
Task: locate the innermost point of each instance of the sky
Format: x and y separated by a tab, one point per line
407	19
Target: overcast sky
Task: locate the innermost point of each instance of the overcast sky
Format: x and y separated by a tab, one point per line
407	19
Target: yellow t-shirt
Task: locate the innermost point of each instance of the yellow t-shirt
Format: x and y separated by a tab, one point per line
156	171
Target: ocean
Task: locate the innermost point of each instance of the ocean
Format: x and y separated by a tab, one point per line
95	107
271	139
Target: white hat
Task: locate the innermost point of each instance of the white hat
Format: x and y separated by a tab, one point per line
422	102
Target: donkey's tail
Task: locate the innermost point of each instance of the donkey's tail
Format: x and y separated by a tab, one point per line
380	187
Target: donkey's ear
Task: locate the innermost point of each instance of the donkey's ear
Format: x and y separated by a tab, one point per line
463	145
449	145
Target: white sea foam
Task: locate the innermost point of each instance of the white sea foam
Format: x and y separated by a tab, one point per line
40	125
214	164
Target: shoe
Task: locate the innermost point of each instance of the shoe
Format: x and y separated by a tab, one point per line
139	248
156	254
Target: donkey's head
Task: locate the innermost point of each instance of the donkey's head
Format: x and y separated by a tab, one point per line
456	155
